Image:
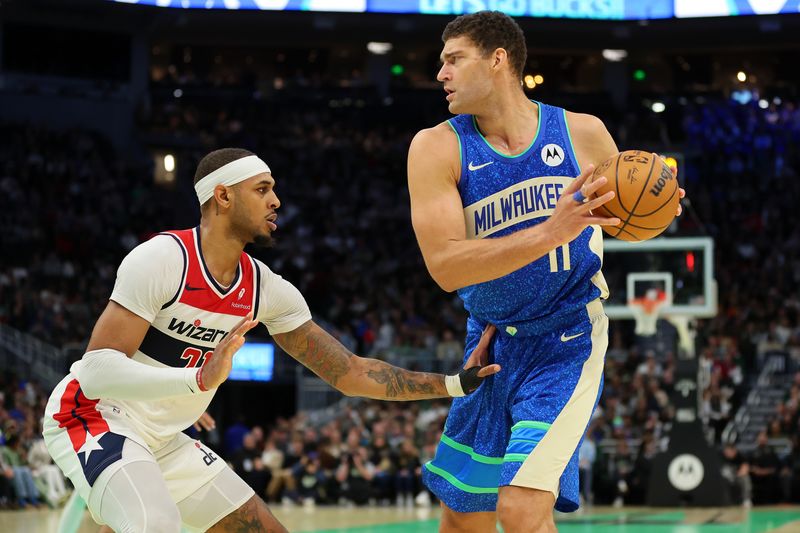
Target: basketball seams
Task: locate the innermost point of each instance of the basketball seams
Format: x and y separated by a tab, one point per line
659	208
641	192
616	185
609	212
630	227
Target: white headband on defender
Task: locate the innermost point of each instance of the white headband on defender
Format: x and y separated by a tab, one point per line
229	174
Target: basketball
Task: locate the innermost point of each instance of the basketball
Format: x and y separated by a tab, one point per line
646	195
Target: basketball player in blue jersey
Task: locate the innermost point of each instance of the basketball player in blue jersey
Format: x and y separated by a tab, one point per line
181	305
501	217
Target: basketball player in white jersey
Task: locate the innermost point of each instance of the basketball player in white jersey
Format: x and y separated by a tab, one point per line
180	308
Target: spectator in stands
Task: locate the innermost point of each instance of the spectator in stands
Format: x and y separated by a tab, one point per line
790	473
587	454
409	472
48	476
620	470
715	410
355	474
764	467
248	465
14	457
449	351
736	473
272	459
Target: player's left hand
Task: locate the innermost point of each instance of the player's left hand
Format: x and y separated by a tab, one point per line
681	191
206	422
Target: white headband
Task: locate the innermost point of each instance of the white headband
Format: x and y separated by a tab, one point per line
229	174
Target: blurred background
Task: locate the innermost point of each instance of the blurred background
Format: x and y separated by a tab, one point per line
106	108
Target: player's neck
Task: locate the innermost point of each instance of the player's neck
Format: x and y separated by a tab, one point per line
221	251
509	122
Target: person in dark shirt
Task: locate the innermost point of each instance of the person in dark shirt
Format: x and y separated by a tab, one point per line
248	464
736	472
790	473
764	465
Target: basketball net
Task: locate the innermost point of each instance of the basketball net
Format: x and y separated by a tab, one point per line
645	311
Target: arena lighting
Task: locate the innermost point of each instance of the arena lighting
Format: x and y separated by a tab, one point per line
614	55
177	93
763	104
741	76
379	48
530	82
639	74
169	163
538	79
658	107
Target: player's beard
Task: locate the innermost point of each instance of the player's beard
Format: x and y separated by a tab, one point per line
262	240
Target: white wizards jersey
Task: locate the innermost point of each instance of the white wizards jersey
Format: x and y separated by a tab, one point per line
166	281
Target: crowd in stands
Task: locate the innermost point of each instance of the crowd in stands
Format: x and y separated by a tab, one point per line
72	207
28	477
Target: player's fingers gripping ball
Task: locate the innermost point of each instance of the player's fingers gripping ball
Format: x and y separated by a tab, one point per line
647	195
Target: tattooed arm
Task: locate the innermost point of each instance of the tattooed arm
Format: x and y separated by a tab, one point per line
353	375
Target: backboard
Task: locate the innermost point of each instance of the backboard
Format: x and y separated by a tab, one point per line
681	267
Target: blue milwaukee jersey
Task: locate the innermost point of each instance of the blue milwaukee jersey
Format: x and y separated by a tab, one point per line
503	194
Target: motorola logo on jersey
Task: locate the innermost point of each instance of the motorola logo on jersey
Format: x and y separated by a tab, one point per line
195	331
552	155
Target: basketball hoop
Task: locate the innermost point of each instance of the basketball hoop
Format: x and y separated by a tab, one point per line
646	310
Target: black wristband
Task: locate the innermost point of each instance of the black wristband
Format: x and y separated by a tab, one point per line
469	379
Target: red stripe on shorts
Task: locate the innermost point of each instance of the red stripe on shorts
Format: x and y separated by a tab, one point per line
78	414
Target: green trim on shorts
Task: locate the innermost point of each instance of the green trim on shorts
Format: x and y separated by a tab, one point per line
515	457
485	459
524	440
531	424
453	480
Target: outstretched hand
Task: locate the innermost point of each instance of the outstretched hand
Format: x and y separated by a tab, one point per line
216	369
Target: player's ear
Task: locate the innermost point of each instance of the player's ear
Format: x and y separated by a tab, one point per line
222	196
500	56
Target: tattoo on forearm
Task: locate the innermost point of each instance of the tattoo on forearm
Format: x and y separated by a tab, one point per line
400	382
317	350
331	361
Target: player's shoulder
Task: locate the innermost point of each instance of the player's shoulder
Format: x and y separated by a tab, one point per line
159	249
590	138
265	273
585	125
436	139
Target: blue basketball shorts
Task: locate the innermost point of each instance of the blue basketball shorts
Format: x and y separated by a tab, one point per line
523	426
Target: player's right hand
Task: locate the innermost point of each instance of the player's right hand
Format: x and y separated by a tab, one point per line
216	369
570	217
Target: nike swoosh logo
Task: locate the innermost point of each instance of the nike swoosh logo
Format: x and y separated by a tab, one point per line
189	288
473	166
565	337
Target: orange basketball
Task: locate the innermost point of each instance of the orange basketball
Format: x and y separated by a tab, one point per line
646	199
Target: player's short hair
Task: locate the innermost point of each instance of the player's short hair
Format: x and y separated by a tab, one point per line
490	30
218	159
